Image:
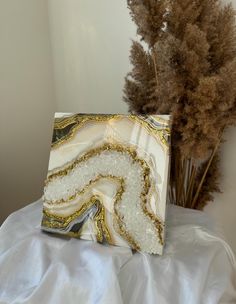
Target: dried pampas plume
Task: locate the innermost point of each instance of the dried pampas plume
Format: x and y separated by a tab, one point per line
185	65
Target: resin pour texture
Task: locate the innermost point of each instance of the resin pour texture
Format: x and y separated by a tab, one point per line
107	179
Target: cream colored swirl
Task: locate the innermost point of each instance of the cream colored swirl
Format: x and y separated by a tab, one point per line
131	215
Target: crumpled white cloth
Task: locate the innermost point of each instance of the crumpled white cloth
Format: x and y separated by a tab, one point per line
197	267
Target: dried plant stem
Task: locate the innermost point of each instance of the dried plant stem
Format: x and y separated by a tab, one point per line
190	185
184	190
205	172
177	179
155	66
183	181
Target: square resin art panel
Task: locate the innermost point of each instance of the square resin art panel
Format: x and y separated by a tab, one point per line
107	179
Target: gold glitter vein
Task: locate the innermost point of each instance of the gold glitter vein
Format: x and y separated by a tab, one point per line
82	119
146	177
54	221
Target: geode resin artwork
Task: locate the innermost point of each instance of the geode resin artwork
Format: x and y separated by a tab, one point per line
107	179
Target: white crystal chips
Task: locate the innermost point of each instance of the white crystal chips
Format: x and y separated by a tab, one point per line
107	189
111	163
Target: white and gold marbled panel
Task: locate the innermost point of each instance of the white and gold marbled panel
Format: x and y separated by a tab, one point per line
107	179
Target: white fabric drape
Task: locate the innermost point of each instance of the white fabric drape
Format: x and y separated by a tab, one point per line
197	267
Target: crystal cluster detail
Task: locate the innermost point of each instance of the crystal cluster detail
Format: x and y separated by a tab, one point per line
107	188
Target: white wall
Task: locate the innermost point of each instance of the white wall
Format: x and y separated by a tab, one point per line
26	101
91	41
223	210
